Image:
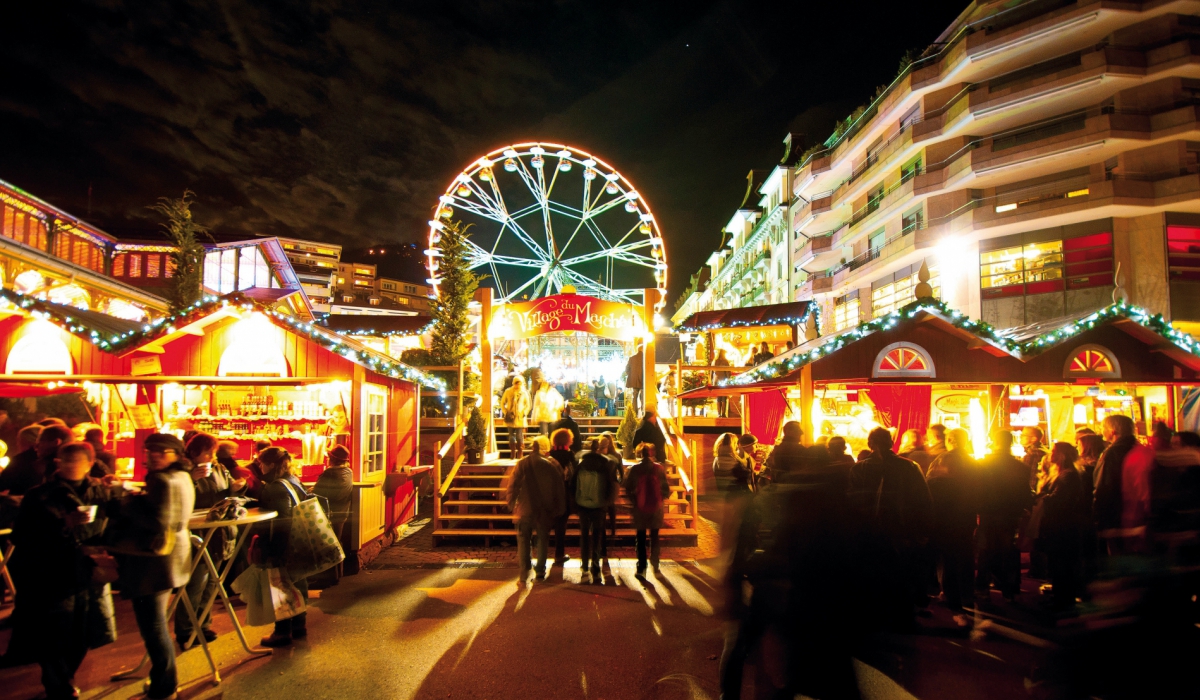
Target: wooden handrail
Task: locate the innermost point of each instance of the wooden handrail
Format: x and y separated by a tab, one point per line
453	472
458	432
683	478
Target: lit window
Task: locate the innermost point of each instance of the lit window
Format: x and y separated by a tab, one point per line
347	298
135	265
893	295
341	280
153	264
845	314
1034	268
903	360
119	265
1092	361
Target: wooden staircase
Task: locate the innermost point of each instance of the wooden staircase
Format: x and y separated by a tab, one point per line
588	429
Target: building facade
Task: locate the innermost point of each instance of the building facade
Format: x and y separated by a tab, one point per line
1036	156
315	264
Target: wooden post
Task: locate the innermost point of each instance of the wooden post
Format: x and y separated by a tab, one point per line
679	388
356	418
649	376
437	485
458	416
695	486
484	295
147	395
806	403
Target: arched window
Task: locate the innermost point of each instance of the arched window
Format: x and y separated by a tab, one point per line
1092	361
903	360
40	350
255	350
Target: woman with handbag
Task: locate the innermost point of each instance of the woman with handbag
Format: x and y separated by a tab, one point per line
515	407
281	492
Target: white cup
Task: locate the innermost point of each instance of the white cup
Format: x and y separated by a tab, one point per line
90	511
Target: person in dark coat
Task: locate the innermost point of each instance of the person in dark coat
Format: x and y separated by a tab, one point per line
606	445
1061	528
790	456
213	484
1121	501
889	494
838	456
648	507
162	559
953	487
1031	441
106	461
281	492
649	431
253	472
568	423
28	470
596	472
1004	497
536	498
634	379
226	449
561	452
63	609
912	447
935	440
336	485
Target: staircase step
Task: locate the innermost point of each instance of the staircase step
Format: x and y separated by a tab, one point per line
502	516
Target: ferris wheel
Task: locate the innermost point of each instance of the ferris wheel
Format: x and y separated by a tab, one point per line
545	216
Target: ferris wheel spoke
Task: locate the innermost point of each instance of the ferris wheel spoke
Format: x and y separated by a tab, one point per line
619	251
513	294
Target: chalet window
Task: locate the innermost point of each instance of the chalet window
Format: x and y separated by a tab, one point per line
903	360
135	264
1092	361
118	268
374	429
153	264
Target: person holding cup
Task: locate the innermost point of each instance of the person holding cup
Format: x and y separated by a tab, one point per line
65	602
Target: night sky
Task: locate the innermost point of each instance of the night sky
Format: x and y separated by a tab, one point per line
345	121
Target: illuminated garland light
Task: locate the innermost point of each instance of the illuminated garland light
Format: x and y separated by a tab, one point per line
165	326
775	321
985	331
372	333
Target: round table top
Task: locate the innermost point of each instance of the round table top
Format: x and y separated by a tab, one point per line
199	520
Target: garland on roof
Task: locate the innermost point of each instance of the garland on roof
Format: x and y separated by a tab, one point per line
330	340
1029	348
371	332
774	321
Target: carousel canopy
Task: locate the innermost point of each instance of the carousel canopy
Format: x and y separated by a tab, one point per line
789	314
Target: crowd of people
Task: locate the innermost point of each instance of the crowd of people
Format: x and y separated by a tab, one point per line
79	532
834	548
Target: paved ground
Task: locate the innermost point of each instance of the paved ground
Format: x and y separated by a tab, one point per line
456	623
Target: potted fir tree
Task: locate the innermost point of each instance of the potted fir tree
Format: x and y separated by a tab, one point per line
475	437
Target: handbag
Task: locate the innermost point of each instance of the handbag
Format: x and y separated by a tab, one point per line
312	544
269	595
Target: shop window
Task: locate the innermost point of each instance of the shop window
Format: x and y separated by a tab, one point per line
903	360
845	314
1183	253
1034	268
118	269
1088	261
1092	361
374	430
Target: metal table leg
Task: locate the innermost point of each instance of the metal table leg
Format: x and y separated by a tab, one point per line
207	605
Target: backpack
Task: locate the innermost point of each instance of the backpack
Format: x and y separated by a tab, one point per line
589	489
649	498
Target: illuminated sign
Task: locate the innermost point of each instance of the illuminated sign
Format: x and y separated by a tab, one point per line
567	312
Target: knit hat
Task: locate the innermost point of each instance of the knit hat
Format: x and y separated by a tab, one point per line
161	442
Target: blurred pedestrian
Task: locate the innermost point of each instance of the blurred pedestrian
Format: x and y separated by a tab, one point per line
514	408
336	486
952	486
647	489
106	462
568	423
912	447
561	452
719	376
281	492
159	518
547	407
935	440
635	379
1121	501
731	467
30	469
1004	497
890	496
1031	442
838	456
650	431
65	605
536	497
1060	530
594	490
790	456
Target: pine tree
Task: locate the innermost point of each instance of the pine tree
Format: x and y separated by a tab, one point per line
188	259
456	288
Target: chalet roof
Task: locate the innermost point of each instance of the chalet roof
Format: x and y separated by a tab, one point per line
791	313
376	325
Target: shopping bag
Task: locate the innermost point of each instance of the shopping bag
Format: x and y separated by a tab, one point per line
312	545
249	585
286	600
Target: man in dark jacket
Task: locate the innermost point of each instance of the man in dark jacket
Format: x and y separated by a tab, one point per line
62	611
649	431
1004	496
569	423
536	497
594	486
163	558
634	372
891	496
1031	441
27	471
1121	501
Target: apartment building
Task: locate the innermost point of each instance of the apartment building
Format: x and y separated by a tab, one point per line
752	267
315	264
1031	153
409	294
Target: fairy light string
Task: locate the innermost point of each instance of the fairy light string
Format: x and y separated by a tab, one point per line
157	328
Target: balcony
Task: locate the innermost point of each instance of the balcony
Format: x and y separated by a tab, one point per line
902	189
816	164
817	246
817	283
811	210
898	244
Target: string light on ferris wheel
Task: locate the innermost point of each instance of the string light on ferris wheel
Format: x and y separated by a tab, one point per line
526	248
